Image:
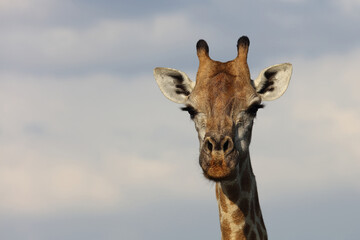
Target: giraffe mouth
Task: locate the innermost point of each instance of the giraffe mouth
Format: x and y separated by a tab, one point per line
218	174
219	168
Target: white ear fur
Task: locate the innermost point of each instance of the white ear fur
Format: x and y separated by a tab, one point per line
174	84
273	81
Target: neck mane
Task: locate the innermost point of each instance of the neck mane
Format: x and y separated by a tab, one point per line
239	208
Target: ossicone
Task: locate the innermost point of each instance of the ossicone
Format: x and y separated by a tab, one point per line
202	48
243	47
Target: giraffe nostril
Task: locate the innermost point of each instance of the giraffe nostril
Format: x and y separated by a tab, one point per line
226	145
209	146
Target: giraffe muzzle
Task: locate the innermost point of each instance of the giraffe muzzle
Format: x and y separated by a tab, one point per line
217	157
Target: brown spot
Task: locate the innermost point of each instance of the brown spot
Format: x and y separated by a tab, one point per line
257	204
260	230
247	229
265	237
262	224
244	206
246	182
252	236
252	212
233	192
238	216
225	229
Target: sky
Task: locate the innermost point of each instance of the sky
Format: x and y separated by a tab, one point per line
91	149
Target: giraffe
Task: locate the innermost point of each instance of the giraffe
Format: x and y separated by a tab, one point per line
223	103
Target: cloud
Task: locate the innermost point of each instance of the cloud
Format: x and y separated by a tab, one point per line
57	43
85	143
31	10
88	143
97	142
348	6
315	130
107	43
49	183
20	4
43	184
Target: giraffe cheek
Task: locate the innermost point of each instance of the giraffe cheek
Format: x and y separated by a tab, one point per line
243	139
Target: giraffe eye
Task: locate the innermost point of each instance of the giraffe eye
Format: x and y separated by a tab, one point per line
252	110
191	110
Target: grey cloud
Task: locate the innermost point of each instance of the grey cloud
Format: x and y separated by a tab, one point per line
79	106
117	43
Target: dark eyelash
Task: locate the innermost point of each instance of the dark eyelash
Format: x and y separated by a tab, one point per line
191	110
252	110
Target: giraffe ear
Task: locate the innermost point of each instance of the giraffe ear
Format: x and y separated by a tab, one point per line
174	84
273	81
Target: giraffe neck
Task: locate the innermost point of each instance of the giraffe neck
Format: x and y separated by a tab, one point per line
239	209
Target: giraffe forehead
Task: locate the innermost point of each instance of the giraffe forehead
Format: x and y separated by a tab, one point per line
222	92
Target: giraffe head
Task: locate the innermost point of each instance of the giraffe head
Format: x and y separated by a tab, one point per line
223	103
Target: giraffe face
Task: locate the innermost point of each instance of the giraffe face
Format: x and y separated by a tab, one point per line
223	104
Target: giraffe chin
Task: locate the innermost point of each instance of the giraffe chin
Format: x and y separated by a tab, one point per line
218	174
218	166
219	171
